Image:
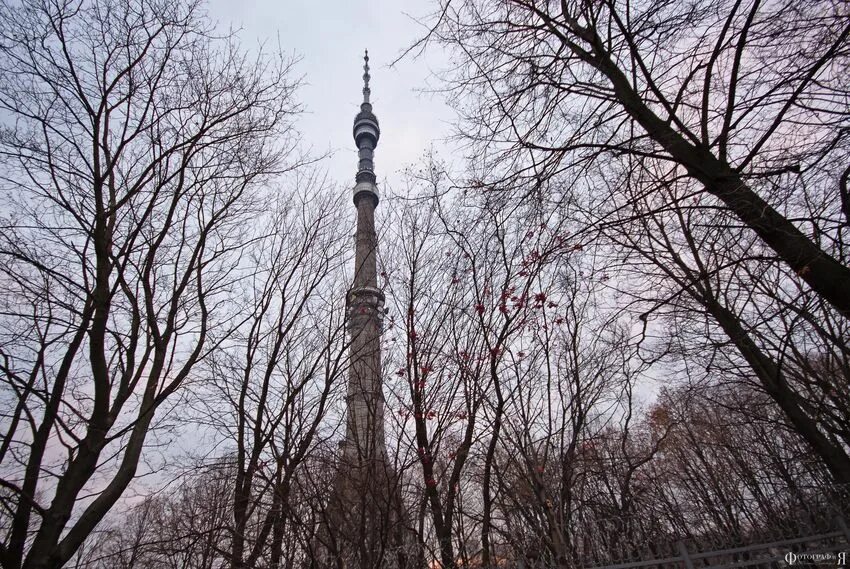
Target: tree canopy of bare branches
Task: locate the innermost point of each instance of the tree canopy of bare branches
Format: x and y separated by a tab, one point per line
624	325
726	120
135	143
749	99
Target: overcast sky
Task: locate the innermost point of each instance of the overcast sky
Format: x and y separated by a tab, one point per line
330	37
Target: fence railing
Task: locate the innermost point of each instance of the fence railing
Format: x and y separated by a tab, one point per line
827	549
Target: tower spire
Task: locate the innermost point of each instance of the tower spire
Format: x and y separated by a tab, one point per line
366	77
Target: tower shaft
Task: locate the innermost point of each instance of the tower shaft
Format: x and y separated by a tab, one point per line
364	440
365	524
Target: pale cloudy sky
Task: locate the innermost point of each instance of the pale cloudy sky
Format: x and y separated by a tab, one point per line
330	36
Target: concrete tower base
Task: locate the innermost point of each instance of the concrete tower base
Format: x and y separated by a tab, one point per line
365	523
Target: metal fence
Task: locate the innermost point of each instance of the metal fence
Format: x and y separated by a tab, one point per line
812	532
829	549
808	529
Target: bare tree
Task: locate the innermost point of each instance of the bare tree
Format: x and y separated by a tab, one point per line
180	528
272	382
749	99
575	442
471	283
134	147
436	383
640	109
731	457
706	282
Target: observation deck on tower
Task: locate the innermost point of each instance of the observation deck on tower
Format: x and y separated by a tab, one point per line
366	132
